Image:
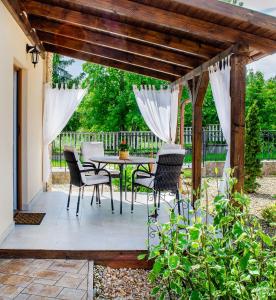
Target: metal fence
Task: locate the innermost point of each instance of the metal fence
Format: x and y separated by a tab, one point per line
145	143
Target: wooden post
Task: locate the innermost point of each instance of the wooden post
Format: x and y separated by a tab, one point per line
182	121
178	128
237	92
198	90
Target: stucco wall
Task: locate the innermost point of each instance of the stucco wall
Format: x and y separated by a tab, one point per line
13	53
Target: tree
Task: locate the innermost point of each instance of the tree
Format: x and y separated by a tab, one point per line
252	148
61	76
110	104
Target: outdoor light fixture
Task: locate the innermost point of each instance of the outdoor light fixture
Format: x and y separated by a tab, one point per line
34	52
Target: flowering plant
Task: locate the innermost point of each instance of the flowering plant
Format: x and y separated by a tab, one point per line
123	146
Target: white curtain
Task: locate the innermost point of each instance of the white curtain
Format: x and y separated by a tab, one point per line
220	83
59	106
159	110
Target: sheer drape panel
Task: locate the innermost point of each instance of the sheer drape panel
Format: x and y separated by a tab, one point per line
59	106
159	109
220	83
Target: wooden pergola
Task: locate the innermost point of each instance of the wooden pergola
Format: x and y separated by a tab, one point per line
174	40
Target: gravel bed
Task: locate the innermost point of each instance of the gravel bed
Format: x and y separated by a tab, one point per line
120	284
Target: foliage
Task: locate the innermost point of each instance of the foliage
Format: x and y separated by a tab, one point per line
269	214
110	104
252	149
229	259
60	77
123	146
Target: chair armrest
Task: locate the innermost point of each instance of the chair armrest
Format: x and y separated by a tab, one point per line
89	164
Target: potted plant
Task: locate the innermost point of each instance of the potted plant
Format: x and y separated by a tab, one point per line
123	150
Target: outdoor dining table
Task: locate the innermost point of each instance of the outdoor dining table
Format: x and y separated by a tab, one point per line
133	160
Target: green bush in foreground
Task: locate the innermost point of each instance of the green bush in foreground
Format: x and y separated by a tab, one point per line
269	214
229	259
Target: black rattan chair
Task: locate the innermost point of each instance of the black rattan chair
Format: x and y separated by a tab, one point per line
79	178
165	178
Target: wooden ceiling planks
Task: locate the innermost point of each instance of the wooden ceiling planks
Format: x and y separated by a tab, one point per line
120	29
108	62
129	58
119	43
168	37
152	17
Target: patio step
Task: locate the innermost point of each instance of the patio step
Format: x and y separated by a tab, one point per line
111	258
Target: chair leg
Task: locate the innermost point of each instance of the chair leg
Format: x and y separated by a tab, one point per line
159	198
178	202
92	198
155	208
69	196
132	197
98	195
111	198
102	189
78	205
135	198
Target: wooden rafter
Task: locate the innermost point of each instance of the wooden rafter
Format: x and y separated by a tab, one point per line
117	43
138	33
153	17
108	62
129	58
15	8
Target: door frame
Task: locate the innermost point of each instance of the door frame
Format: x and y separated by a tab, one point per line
19	122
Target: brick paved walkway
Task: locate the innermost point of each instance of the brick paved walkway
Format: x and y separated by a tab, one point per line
37	279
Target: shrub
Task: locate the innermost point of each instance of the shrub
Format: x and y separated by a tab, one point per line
230	258
269	214
252	164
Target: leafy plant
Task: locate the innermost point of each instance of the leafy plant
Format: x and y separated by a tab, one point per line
269	214
229	258
252	149
123	146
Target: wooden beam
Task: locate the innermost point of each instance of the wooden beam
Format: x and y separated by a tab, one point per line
139	33
222	10
16	10
204	67
152	17
198	93
108	62
129	58
237	92
119	43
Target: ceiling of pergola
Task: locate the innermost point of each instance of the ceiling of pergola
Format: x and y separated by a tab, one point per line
165	39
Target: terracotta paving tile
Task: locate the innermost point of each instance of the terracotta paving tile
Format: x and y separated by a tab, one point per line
44	281
42	263
34	297
43	290
22	297
70	266
70	280
47	274
83	285
84	269
71	294
17	280
10	291
15	266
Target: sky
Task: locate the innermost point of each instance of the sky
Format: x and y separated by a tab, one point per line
266	65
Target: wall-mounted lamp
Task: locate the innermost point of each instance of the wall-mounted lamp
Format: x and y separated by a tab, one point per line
34	52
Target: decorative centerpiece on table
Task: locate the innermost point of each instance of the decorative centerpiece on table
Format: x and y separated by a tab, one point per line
123	150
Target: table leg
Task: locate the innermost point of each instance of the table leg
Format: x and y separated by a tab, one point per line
125	181
121	187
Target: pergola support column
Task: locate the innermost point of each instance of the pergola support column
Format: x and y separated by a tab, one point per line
198	90
237	92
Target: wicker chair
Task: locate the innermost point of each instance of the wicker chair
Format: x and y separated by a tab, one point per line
79	177
165	178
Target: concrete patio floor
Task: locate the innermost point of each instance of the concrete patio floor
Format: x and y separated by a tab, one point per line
96	228
35	279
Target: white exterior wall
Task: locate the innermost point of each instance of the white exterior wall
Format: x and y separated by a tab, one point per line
13	53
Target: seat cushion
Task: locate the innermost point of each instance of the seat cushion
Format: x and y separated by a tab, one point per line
143	175
96	179
113	173
146	182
